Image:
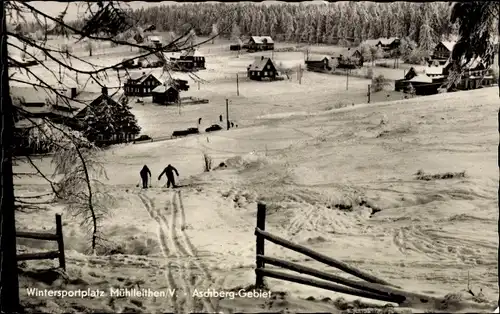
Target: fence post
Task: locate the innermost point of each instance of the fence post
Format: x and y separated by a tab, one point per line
60	242
261	224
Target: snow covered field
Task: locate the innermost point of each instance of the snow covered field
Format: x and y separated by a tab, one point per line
304	158
426	238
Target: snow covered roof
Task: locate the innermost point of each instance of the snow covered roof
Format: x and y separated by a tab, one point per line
372	42
261	39
154	38
28	94
172	55
193	53
317	58
259	64
449	44
162	89
421	78
434	70
387	41
140	78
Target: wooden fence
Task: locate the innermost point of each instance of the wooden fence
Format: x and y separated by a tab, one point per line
372	287
58	237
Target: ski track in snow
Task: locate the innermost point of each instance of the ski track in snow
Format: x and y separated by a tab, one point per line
178	250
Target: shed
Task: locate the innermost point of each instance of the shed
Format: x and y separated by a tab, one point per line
165	94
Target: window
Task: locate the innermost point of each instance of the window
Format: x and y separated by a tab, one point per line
268	66
265	73
258	73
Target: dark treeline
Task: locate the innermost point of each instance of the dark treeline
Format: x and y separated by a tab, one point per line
332	23
341	23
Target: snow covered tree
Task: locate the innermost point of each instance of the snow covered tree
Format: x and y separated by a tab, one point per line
406	47
106	119
236	33
426	37
215	31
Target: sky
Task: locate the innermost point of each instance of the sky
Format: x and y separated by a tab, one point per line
54	8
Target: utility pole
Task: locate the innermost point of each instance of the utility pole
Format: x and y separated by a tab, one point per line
237	85
198	85
300	74
347	79
227	113
369	92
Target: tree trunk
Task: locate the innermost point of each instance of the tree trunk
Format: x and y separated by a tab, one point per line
498	82
9	285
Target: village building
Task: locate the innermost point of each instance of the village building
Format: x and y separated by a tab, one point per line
475	74
349	58
318	63
36	108
388	45
151	61
93	100
141	85
154	41
165	95
422	83
442	52
169	93
195	60
260	43
262	69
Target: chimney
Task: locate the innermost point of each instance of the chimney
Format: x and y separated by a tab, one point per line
73	92
105	90
143	73
261	57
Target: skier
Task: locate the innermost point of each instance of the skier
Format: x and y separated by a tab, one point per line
144	176
169	172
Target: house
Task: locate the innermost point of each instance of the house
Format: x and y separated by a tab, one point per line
318	63
151	61
171	56
387	44
349	58
165	94
194	60
154	41
442	52
262	68
44	109
169	93
260	43
93	100
390	43
422	83
372	43
476	73
42	104
141	85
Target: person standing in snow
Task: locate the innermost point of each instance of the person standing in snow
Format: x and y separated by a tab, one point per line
169	172
144	176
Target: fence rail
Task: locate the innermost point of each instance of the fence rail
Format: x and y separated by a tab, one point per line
57	237
371	287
